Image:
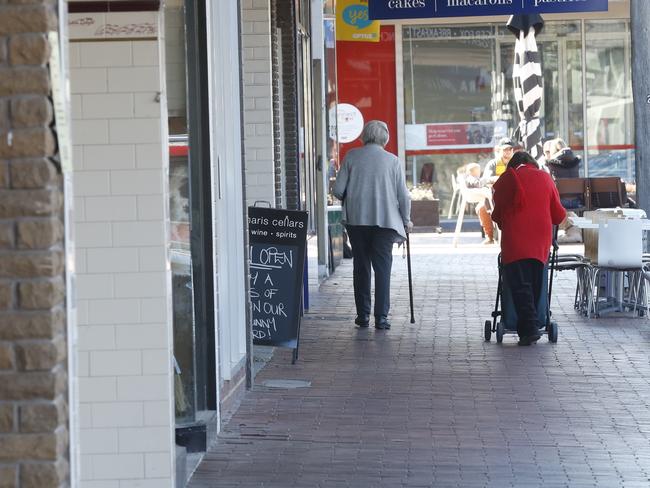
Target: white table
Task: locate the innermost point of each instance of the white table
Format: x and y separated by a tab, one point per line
613	245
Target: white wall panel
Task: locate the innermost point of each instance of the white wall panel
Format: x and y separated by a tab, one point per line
125	376
230	282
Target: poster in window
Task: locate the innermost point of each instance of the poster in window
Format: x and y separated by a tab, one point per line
455	135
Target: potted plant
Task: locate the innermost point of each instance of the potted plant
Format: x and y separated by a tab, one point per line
424	206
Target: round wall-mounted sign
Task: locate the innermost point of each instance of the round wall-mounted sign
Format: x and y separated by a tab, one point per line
349	121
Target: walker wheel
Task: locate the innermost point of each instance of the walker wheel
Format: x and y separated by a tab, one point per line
499	333
552	332
488	330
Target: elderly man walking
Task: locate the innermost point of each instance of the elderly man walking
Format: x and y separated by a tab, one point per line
376	213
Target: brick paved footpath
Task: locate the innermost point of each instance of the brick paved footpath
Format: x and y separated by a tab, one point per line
433	405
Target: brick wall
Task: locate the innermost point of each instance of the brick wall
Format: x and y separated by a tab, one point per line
270	102
278	148
120	170
284	19
258	95
33	378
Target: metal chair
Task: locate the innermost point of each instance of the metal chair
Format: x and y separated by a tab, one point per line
584	270
620	256
645	276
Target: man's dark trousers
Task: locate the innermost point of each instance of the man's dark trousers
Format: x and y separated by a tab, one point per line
371	246
525	279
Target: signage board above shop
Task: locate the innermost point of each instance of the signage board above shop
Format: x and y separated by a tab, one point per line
353	22
419	9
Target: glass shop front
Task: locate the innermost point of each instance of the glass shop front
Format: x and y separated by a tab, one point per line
459	98
445	89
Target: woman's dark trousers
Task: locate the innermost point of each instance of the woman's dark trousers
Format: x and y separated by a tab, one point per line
371	246
525	279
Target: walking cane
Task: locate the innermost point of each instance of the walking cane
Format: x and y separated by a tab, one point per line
408	264
553	264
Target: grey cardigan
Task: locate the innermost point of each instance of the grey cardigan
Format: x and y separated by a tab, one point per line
372	188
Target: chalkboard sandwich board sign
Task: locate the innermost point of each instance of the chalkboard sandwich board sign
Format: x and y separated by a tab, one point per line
277	246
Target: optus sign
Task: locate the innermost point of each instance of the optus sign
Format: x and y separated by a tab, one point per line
356	15
353	22
418	9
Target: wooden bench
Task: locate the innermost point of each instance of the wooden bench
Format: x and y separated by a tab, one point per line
580	194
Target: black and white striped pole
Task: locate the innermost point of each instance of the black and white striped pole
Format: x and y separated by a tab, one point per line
528	81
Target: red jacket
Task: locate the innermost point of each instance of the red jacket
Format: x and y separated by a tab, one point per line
526	204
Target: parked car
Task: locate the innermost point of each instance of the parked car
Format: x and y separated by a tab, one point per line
615	163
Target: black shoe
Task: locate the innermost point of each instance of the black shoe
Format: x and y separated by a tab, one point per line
382	323
362	321
528	340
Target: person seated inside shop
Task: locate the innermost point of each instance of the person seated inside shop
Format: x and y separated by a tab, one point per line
483	209
561	160
503	152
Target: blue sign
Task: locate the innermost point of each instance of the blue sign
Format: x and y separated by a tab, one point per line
420	9
401	9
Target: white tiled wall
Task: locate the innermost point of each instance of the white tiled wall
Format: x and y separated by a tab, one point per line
258	94
124	328
175	58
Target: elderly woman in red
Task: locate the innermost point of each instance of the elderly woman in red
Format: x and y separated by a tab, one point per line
526	206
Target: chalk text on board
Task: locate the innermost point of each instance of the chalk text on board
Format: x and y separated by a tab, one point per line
269	308
262	328
271	257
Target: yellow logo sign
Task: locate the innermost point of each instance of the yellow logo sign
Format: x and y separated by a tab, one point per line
353	23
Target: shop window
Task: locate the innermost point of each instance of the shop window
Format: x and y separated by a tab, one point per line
610	115
459	99
449	104
180	217
331	98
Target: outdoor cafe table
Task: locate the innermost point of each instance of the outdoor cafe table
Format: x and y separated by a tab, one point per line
613	245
